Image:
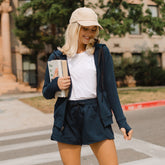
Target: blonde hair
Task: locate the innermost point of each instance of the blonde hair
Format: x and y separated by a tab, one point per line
71	40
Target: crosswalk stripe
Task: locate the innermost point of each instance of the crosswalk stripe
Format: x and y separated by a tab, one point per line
42	158
17	136
31	160
148	161
147	148
26	145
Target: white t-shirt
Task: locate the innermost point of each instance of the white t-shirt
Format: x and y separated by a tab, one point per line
83	75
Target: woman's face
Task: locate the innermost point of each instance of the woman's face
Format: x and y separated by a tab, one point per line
86	33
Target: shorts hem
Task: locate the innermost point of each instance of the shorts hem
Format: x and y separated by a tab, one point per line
67	142
62	141
98	141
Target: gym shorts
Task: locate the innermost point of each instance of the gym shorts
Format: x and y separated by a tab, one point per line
82	124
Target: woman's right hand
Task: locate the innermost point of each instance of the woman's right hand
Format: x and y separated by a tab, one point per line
63	82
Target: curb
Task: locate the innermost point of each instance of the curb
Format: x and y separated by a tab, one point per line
135	106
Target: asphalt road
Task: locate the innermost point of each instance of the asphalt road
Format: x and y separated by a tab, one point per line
148	124
33	147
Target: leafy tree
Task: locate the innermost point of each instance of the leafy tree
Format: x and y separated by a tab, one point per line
119	16
41	23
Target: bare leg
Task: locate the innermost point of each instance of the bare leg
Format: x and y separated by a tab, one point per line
70	154
105	152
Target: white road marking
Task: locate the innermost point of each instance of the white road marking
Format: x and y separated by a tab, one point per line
30	134
147	148
149	161
35	159
26	145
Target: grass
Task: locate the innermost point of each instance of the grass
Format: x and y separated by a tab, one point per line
39	102
141	95
126	96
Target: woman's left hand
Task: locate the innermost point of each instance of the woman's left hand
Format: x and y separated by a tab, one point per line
128	135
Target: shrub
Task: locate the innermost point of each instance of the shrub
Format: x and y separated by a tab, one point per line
146	71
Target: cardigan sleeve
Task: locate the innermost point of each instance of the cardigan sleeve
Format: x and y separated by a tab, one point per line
50	88
111	89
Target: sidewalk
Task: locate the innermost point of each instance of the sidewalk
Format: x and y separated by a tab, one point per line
16	115
18	96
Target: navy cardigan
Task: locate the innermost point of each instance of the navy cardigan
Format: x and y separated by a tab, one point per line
107	98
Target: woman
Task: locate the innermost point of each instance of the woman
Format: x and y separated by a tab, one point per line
85	116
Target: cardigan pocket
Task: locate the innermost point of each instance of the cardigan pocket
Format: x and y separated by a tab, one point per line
59	112
105	111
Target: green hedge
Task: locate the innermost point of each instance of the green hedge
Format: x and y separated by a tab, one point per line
146	72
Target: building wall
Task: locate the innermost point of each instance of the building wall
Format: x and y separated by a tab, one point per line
1	57
14	41
136	43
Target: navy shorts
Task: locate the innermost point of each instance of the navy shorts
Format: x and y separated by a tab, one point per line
82	124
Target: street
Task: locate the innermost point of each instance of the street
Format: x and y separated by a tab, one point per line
33	146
